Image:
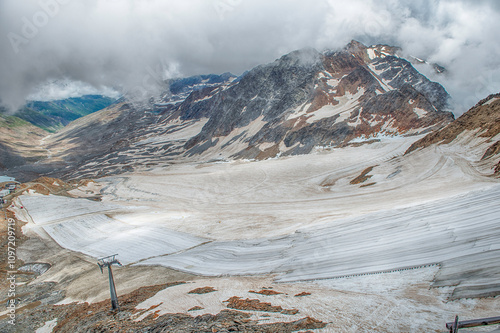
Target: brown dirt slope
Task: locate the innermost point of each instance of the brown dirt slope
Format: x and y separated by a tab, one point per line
46	186
484	115
19	142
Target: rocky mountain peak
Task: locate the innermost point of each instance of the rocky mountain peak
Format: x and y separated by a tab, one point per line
304	99
307	57
307	98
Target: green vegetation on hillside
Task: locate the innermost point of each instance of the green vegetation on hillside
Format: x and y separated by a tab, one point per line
11	121
53	115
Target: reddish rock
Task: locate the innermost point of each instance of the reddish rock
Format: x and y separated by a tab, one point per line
303	294
266	292
203	290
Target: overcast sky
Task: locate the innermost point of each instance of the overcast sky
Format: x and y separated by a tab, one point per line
129	44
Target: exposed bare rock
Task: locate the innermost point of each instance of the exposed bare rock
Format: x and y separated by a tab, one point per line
290	312
364	176
484	116
491	151
196	308
267	292
238	303
483	120
202	290
98	317
301	96
304	293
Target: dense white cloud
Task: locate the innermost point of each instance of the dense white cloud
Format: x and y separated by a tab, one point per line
131	45
62	89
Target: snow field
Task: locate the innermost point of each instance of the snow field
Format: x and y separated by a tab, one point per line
299	218
391	240
98	235
44	210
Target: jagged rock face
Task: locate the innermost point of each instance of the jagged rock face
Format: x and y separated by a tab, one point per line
268	92
307	99
191	89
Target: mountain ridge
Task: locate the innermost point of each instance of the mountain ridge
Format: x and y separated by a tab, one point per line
481	122
299	72
302	100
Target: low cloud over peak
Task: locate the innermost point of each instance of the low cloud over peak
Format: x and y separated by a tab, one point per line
130	45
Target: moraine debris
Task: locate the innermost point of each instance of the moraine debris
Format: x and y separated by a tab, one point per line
202	290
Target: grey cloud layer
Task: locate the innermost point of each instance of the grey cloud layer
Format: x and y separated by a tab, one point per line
130	45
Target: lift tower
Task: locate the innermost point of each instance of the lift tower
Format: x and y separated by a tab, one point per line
107	262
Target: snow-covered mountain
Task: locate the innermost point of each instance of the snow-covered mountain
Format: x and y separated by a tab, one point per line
307	99
301	101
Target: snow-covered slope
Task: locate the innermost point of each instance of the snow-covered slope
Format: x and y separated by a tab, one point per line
82	226
319	216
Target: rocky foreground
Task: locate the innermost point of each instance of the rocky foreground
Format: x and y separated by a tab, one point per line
98	317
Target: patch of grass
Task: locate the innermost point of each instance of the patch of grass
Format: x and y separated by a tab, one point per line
12	122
